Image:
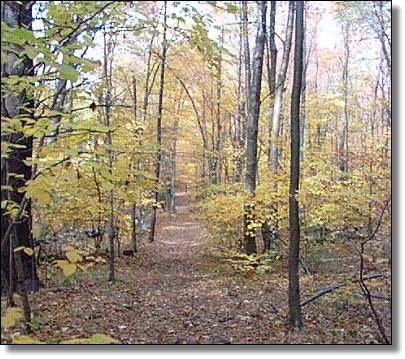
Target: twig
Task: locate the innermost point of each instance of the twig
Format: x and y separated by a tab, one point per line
332	287
363	286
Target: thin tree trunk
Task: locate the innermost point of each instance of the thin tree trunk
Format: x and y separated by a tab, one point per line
294	314
252	130
108	142
218	166
245	22
172	204
159	125
237	163
278	97
272	69
344	142
133	207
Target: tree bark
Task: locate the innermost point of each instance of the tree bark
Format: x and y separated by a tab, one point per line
137	167
238	139
15	106
272	69
252	130
245	21
108	142
278	97
294	315
344	135
305	60
159	126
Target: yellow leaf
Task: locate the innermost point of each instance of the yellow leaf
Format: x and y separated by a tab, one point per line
35	231
28	251
102	339
14	312
43	197
7	321
69	269
73	256
24	339
61	264
76	341
85	267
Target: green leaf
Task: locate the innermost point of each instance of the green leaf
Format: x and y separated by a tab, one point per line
67	72
35	324
232	8
22	34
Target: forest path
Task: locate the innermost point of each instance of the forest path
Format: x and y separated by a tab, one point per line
175	292
172	291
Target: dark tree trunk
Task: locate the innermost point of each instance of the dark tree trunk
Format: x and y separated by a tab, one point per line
159	126
137	167
252	130
108	56
294	314
17	15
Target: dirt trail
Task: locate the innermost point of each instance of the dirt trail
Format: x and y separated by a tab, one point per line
173	292
167	293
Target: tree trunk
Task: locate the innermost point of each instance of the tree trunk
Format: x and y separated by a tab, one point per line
303	95
271	70
252	130
344	136
245	21
17	15
218	165
159	125
294	314
172	204
108	142
137	167
278	97
238	143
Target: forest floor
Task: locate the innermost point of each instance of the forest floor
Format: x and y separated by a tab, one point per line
174	291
